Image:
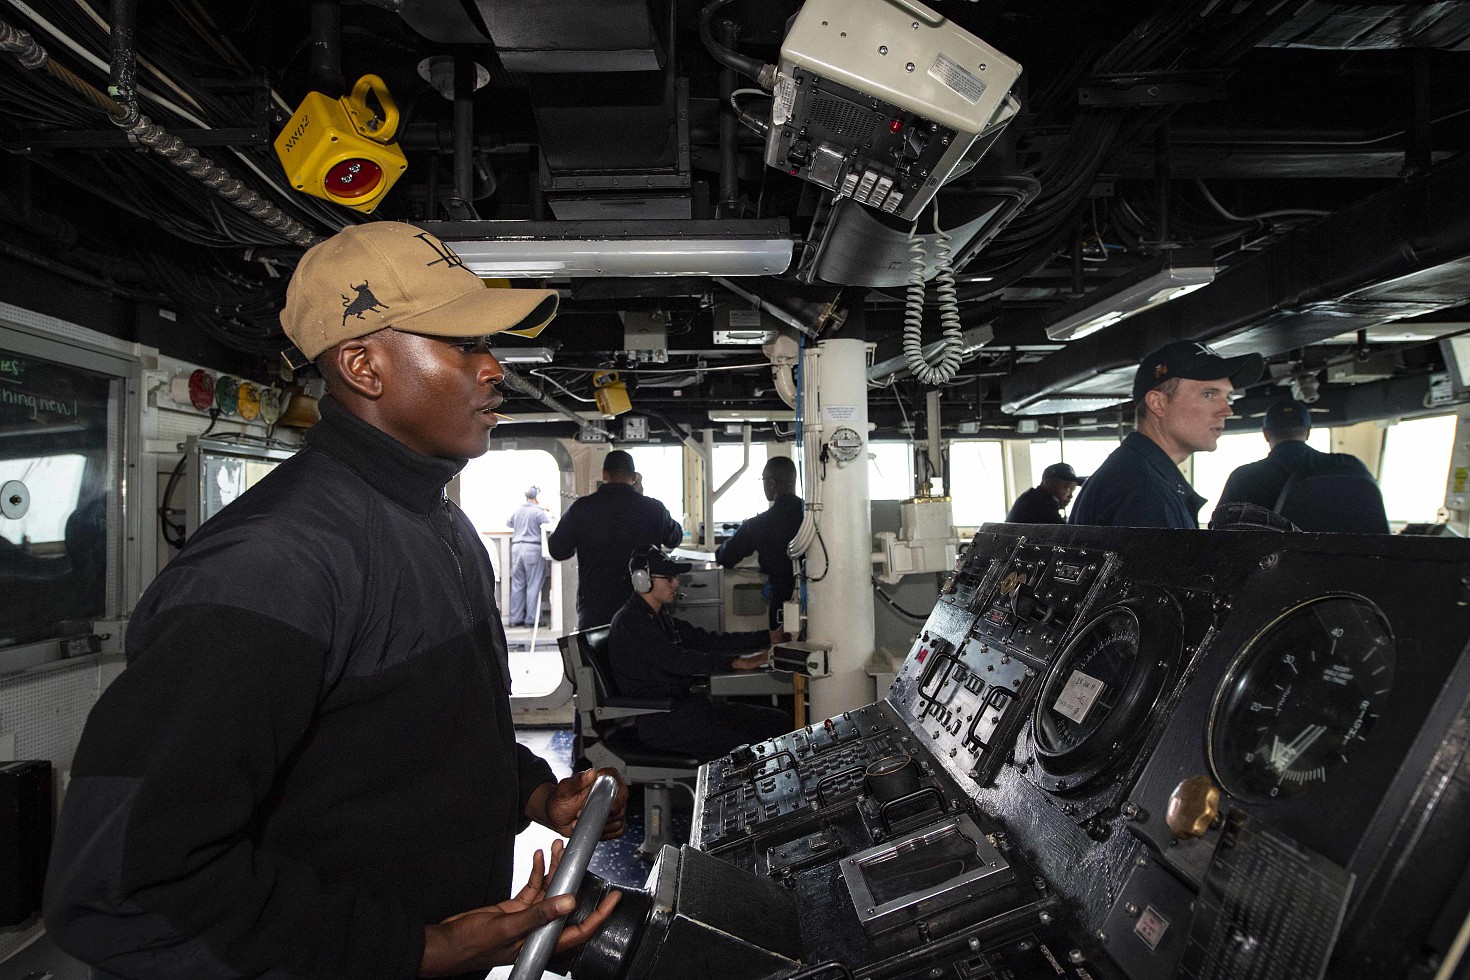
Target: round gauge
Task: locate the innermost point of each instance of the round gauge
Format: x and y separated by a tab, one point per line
1096	696
201	389
227	395
846	444
1304	694
247	400
270	405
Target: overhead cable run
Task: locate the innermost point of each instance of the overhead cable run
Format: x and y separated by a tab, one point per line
32	56
522	386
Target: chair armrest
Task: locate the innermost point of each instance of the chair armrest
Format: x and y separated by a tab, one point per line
621	707
653	704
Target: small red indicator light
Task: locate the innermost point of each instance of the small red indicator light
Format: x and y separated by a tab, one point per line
895	126
353	178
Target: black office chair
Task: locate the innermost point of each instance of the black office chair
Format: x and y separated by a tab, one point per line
606	736
1343	502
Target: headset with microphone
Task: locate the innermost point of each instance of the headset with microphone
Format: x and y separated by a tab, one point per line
638	569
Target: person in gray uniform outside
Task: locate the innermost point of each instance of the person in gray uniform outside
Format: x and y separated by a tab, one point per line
527	565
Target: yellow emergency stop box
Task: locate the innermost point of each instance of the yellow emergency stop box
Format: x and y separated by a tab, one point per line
610	393
341	149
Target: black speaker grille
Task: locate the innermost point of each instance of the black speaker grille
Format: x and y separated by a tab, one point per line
840	116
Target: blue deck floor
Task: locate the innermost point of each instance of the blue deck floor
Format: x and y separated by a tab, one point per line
615	860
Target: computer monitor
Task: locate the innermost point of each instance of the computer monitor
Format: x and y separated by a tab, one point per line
219	470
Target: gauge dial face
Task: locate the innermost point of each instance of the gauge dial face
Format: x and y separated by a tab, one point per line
1085	689
846	444
1304	695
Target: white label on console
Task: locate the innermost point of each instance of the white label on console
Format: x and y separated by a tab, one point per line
1151	927
955	77
1078	696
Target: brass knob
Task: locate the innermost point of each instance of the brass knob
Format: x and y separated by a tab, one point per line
1193	807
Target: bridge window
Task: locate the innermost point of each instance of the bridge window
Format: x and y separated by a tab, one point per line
978	474
662	468
890	470
1416	464
746	497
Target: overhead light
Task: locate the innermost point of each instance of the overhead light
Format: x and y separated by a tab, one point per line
568	249
752	415
522	355
1173	274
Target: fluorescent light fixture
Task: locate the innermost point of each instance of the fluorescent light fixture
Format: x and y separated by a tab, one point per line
571	249
752	415
591	418
522	355
1173	274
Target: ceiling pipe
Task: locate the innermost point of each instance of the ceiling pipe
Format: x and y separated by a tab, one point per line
1399	253
34	57
124	66
530	389
326	48
729	159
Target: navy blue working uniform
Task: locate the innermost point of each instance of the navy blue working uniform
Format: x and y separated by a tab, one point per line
766	536
1261	482
1035	506
1138	485
655	655
602	529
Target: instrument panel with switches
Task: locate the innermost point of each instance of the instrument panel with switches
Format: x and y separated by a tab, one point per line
1117	754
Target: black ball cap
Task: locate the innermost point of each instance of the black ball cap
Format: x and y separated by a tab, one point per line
657	561
1192	360
1063	472
1287	415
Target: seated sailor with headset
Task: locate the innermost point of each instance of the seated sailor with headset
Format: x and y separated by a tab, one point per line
655	655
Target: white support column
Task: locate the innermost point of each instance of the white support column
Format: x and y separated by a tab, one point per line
840	601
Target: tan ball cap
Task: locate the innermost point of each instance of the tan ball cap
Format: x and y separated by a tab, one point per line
391	274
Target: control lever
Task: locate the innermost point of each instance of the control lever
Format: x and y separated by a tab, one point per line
535	954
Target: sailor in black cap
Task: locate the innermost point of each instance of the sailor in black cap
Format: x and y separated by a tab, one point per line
655	655
1043	504
1267	482
1181	399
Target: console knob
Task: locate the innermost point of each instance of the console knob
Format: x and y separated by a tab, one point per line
891	777
1193	807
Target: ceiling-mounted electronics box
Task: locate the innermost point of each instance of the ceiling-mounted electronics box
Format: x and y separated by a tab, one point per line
885	100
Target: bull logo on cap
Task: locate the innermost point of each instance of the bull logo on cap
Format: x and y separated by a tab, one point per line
363	302
1160	370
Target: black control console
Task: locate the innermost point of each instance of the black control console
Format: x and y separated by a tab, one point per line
1113	753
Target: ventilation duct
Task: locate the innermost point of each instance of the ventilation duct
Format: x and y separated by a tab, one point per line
1400	253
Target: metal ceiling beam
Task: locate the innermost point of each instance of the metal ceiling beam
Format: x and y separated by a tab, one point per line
1402	252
